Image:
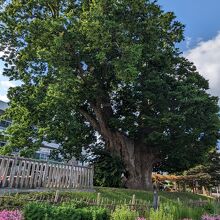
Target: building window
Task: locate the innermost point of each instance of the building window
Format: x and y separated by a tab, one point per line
2	143
42	156
5	123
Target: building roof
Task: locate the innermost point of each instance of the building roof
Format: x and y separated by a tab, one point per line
3	105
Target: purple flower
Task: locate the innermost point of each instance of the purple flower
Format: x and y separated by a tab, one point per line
208	217
10	215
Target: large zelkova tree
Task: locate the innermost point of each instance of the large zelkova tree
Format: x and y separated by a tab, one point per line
107	67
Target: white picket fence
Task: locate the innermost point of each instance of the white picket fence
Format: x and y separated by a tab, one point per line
18	172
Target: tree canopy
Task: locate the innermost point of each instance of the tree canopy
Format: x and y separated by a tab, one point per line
111	67
208	173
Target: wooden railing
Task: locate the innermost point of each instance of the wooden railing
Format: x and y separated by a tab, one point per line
18	172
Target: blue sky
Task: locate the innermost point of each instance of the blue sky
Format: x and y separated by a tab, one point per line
202	34
202	44
201	17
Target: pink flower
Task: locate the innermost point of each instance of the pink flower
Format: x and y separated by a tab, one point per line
10	215
214	217
141	218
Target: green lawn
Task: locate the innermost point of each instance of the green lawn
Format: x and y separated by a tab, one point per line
119	194
116	194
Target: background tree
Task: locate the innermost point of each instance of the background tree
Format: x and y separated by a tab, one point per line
207	174
213	165
110	67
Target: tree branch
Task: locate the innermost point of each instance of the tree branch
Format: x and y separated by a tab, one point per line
90	119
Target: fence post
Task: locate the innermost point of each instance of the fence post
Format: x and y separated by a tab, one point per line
56	196
98	199
133	202
155	199
91	176
13	170
217	192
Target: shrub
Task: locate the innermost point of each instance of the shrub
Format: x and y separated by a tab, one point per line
14	201
42	211
10	215
165	212
107	166
38	211
124	213
173	211
181	211
99	214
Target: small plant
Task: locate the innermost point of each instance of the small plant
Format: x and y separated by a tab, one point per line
10	215
181	211
44	211
124	213
165	212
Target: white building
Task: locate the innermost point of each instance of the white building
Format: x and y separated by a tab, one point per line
44	151
3	123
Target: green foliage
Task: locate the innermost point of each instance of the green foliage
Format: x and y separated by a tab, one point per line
36	211
176	211
99	214
213	167
108	66
13	201
179	209
64	212
124	213
207	174
112	194
162	213
107	166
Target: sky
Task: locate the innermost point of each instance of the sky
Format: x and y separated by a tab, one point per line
202	36
202	39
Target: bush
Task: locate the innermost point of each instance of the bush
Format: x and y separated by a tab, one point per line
174	211
165	212
42	211
38	211
124	213
107	166
99	214
181	211
14	201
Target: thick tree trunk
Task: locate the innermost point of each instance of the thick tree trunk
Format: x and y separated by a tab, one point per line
140	173
137	158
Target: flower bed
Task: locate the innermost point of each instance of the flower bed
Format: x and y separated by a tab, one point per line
10	215
208	217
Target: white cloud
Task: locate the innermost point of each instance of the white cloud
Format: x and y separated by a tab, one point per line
5	84
3	98
206	57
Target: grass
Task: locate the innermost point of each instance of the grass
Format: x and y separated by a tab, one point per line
117	195
169	200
